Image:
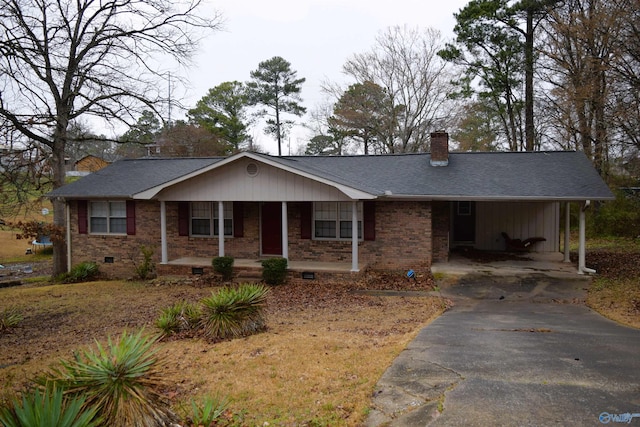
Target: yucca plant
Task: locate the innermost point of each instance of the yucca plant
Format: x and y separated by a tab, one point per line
234	312
179	317
120	380
48	408
9	318
208	411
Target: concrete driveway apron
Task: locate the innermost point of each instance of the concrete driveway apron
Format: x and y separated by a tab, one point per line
514	352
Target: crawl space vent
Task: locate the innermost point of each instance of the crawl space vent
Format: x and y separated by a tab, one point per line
252	169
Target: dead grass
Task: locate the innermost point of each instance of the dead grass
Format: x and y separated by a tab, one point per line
615	291
317	363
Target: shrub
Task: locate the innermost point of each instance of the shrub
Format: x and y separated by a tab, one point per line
208	412
120	381
224	266
619	217
274	271
83	272
234	312
179	317
9	318
48	408
146	269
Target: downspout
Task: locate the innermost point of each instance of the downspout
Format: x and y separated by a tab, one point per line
567	231
582	269
68	220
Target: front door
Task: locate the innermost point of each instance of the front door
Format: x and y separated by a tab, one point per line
464	222
271	224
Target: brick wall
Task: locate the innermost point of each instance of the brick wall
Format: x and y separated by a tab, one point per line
441	227
123	249
403	239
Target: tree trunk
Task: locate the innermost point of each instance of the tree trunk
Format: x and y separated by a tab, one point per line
59	211
528	90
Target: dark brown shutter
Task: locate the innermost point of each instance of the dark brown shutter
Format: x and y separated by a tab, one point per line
83	216
238	219
306	215
183	218
131	217
369	220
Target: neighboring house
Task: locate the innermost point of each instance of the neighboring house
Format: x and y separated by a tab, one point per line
86	165
381	212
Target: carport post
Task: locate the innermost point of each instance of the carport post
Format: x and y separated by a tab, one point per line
582	268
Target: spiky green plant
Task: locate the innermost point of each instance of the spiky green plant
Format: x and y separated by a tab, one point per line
9	318
179	317
208	411
234	312
120	380
48	408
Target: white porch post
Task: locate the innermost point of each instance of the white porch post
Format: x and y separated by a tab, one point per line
582	268
285	232
164	256
567	231
68	225
220	228
354	237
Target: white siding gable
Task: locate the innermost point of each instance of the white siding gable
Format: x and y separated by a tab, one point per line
233	182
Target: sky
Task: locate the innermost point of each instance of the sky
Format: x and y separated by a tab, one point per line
315	36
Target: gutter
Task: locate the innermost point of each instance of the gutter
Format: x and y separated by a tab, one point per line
582	268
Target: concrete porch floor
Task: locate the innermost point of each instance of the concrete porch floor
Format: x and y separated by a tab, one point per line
549	263
313	266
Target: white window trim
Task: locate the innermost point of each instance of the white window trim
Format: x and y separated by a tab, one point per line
213	215
338	220
108	217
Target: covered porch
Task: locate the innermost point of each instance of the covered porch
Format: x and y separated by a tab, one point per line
252	268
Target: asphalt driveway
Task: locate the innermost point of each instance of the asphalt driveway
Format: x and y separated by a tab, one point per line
514	352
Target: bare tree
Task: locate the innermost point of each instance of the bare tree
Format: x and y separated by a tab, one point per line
61	60
580	46
404	61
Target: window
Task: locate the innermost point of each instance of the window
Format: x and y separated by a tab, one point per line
108	217
332	220
204	219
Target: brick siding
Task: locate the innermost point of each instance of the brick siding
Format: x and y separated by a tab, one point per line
403	239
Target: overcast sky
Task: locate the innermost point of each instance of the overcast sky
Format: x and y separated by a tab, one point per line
315	36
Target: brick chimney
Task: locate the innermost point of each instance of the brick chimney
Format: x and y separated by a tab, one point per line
439	148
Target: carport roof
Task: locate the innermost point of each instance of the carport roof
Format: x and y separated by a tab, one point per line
553	175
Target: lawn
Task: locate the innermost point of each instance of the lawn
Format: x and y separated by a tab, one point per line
317	364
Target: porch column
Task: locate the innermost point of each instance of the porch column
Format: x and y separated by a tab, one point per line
285	232
164	256
567	231
354	237
220	228
582	268
67	211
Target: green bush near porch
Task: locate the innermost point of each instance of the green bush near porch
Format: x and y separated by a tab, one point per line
274	271
224	266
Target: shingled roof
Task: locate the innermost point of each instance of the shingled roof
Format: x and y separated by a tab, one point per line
557	175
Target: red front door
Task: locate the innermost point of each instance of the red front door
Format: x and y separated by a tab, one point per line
271	228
